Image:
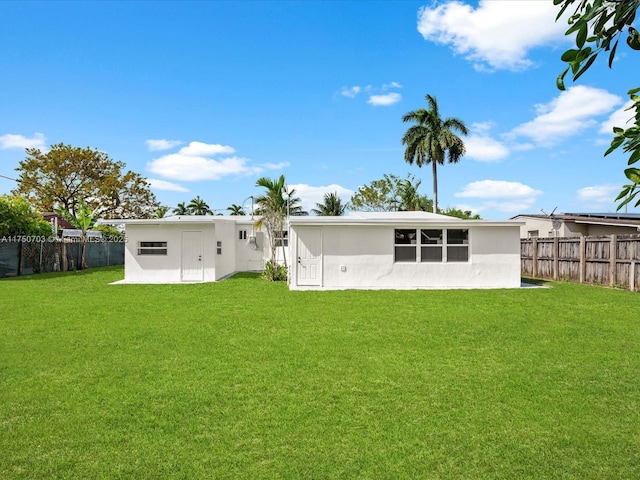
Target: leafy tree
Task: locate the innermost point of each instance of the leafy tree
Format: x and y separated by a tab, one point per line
17	217
161	212
378	196
331	206
109	232
181	209
432	139
273	206
463	214
236	210
598	26
64	175
83	219
198	206
389	194
392	193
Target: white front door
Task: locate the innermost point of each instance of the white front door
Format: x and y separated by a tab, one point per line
309	256
192	261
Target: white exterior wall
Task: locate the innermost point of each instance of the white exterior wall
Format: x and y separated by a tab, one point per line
165	268
226	262
362	257
249	259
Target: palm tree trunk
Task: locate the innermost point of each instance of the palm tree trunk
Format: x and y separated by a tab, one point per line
435	186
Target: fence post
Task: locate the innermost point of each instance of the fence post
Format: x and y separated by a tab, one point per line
556	254
612	259
534	258
632	266
583	255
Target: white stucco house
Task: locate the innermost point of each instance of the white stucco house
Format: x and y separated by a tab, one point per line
402	250
190	248
362	250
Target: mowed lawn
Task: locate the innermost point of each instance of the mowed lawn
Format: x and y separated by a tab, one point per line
244	379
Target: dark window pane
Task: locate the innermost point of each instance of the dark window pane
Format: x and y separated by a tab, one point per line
152	251
431	237
152	244
458	237
457	254
405	254
431	254
405	236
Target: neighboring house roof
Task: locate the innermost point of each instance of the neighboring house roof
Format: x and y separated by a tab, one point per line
62	223
612	219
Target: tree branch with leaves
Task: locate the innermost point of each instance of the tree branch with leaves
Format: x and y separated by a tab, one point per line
598	26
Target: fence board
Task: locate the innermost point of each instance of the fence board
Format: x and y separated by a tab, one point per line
601	260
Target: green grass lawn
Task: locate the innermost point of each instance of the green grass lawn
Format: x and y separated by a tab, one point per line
245	379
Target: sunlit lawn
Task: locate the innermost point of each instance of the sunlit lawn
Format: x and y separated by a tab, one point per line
244	379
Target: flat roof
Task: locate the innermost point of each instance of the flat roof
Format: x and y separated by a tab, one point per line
181	219
398	218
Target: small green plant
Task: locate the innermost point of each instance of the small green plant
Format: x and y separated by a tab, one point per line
274	272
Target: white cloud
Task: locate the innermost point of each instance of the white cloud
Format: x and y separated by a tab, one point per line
568	114
310	195
10	140
205	149
496	34
275	166
177	166
384	100
598	196
387	86
164	185
161	144
195	162
378	96
350	92
497	189
485	148
622	118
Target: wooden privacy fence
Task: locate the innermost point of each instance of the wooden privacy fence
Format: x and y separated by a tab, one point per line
612	260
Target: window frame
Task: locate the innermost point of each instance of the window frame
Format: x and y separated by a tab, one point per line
145	249
445	244
281	238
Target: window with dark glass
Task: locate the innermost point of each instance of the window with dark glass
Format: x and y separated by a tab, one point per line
457	245
152	248
405	244
431	245
282	238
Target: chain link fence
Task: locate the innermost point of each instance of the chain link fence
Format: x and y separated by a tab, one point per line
26	257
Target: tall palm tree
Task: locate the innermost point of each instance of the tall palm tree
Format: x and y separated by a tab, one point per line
273	206
431	139
198	206
331	206
236	210
181	209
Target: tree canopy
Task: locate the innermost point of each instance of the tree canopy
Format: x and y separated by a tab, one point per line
598	26
392	193
17	217
331	206
65	175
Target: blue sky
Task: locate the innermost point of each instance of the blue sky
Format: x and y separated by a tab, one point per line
203	98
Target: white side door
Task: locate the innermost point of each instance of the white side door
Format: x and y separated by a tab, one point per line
309	256
192	263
